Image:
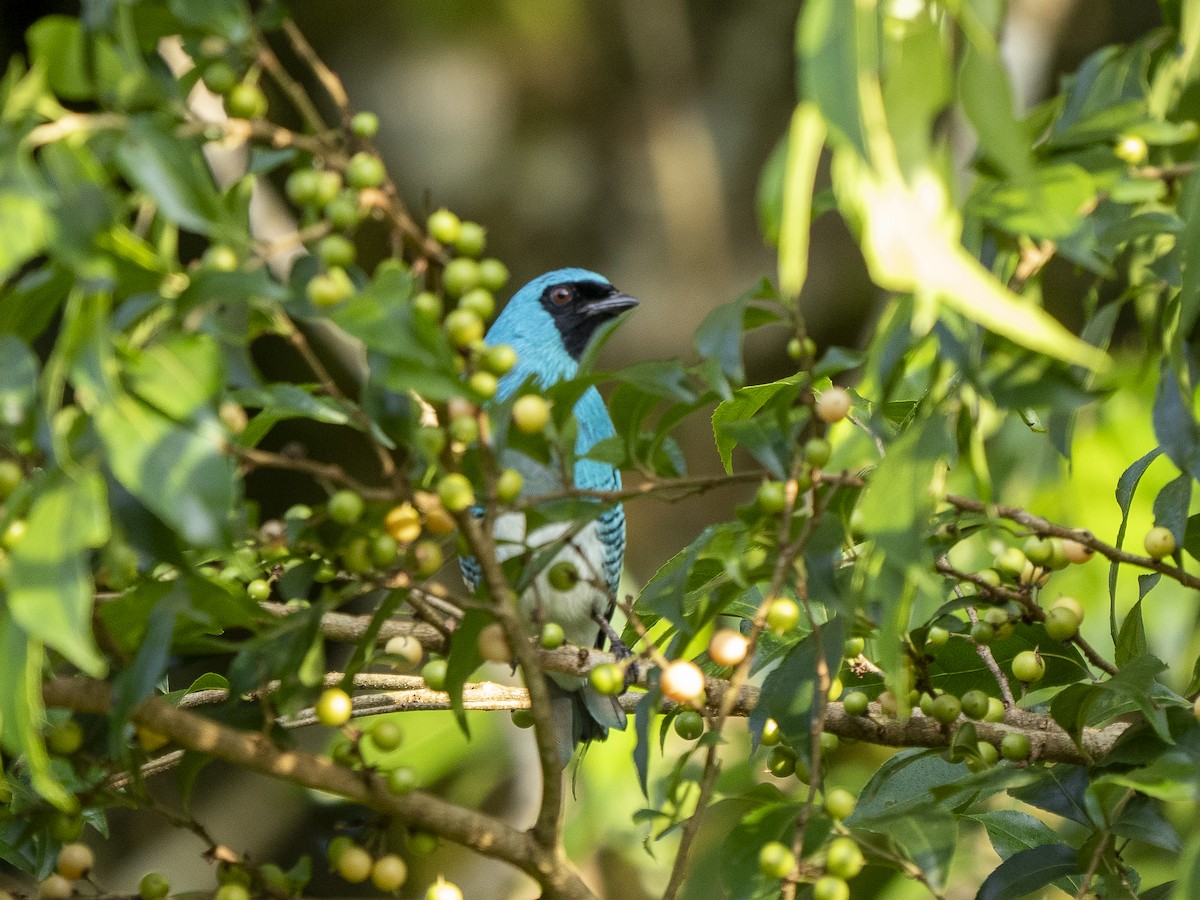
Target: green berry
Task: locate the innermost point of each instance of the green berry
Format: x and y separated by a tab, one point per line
485	384
421	843
770	733
384	548
975	704
1011	562
343	211
364	124
1028	666
689	724
329	184
464	429
337	846
986	756
386	735
499	359
839	803
246	101
219	77
336	250
608	679
983	633
946	708
346	507
854	647
1039	550
389	872
443	890
1061	623
522	718
480	301
1131	148
153	886
843	859
829	887
443	226
472	238
259	589
427	306
65	738
1160	542
220	258
434	674
402	780
531	413
330	288
334	707
783	615
455	492
995	710
428	557
771	497
1015	747
464	328
365	171
232	891
817	452
776	860
563	576
856	703
10	477
493	274
459	276
781	761
552	636
937	636
508	485
354	864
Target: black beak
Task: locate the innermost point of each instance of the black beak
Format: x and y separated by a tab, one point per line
608	307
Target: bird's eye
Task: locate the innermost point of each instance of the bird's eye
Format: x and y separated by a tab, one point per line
561	295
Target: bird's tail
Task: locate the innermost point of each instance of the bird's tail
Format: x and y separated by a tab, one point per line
582	714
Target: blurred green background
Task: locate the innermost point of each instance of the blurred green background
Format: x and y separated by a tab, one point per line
627	137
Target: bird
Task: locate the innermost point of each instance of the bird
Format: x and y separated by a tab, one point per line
549	323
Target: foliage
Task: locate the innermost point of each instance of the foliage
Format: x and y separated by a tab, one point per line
887	552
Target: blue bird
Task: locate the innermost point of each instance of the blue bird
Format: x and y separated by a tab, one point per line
549	322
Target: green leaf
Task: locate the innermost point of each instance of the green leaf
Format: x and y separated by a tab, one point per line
827	67
1011	831
741	408
18	381
56	44
280	402
25	221
789	690
1027	871
805	140
178	376
226	18
172	171
719	337
1174	425
1135	682
50	588
1188	871
22	711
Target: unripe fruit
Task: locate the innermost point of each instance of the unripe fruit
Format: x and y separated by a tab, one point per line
65	738
986	756
389	872
499	359
259	589
830	888
443	890
153	886
995	616
522	718
770	733
1160	542
833	405
346	507
428	558
782	615
608	679
10	477
427	306
333	707
531	413
781	762
336	250
421	843
493	643
727	647
456	493
1028	666
365	171
301	187
1131	148
946	709
329	183
402	780
493	274
55	888
443	226
829	742
434	674
484	384
982	633
552	636
1076	552
854	647
1015	747
220	258
817	452
771	497
937	636
329	288
472	239
337	846
563	576
843	859
856	703
464	429
459	276
1069	603
689	724
995	710
989	576
479	301
1061	624
776	860
386	735
839	803
683	682
403	523
1011	562
356	556
245	101
232	891
219	77
975	704
1039	550
364	124
463	328
354	864
75	861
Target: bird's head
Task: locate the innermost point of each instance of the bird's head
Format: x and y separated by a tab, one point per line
559	312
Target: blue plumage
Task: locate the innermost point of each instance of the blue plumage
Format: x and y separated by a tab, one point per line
549	323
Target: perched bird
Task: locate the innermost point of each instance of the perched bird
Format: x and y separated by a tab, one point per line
549	322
